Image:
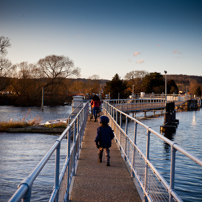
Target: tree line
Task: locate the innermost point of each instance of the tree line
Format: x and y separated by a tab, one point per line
25	81
59	78
139	81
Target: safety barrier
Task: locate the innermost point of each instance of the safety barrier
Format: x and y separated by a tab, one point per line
74	134
137	105
154	186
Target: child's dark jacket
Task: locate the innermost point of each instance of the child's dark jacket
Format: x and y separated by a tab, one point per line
104	136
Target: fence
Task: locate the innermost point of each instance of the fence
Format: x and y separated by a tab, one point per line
74	134
152	183
138	104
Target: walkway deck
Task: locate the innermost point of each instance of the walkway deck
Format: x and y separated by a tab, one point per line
95	181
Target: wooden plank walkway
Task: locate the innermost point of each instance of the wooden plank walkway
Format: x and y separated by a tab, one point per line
96	182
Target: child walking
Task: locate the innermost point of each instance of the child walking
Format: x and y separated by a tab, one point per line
103	139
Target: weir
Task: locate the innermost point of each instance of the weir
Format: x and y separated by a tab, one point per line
148	181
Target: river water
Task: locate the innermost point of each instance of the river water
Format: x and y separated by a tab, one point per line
21	152
188	177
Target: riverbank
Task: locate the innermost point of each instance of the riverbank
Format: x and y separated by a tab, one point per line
33	129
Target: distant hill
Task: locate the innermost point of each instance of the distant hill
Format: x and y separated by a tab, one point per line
101	81
184	79
185	82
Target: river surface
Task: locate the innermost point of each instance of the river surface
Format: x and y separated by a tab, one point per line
188	174
21	152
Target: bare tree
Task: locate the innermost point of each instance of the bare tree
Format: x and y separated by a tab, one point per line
135	74
94	77
5	67
5	64
54	70
57	67
4	44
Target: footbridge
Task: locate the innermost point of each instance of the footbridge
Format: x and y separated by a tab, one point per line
132	175
142	105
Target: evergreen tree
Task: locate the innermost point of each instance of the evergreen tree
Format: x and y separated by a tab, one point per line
153	82
172	87
116	87
198	91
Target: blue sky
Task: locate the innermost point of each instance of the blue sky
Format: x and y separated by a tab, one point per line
105	37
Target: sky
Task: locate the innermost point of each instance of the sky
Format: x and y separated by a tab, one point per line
107	37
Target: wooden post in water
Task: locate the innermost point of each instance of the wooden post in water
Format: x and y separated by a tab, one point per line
170	121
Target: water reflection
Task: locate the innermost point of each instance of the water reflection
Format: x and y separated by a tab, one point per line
170	136
194	119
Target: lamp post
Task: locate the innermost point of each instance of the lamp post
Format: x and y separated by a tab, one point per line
165	86
133	91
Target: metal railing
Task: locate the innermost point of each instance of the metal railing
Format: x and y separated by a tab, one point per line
154	186
74	134
136	100
135	105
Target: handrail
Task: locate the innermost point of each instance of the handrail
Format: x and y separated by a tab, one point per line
75	129
135	157
71	115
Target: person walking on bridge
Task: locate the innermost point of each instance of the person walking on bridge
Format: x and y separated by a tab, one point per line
95	106
103	139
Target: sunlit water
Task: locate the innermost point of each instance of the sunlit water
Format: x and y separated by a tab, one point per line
188	178
20	153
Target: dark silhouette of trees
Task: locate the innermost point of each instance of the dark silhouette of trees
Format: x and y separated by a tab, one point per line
4	44
134	80
198	91
153	82
116	87
56	69
26	87
5	64
172	87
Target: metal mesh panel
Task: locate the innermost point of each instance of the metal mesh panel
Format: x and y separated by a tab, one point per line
139	166
155	188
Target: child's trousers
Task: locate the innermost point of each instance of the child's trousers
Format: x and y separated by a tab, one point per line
107	154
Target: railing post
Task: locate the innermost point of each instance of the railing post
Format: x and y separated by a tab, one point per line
126	126
69	163
146	165
78	130
74	149
135	133
126	131
57	169
121	120
27	196
135	140
172	171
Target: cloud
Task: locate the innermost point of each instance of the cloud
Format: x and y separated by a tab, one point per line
158	45
140	61
136	53
177	52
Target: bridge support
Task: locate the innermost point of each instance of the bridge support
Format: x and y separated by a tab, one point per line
170	121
